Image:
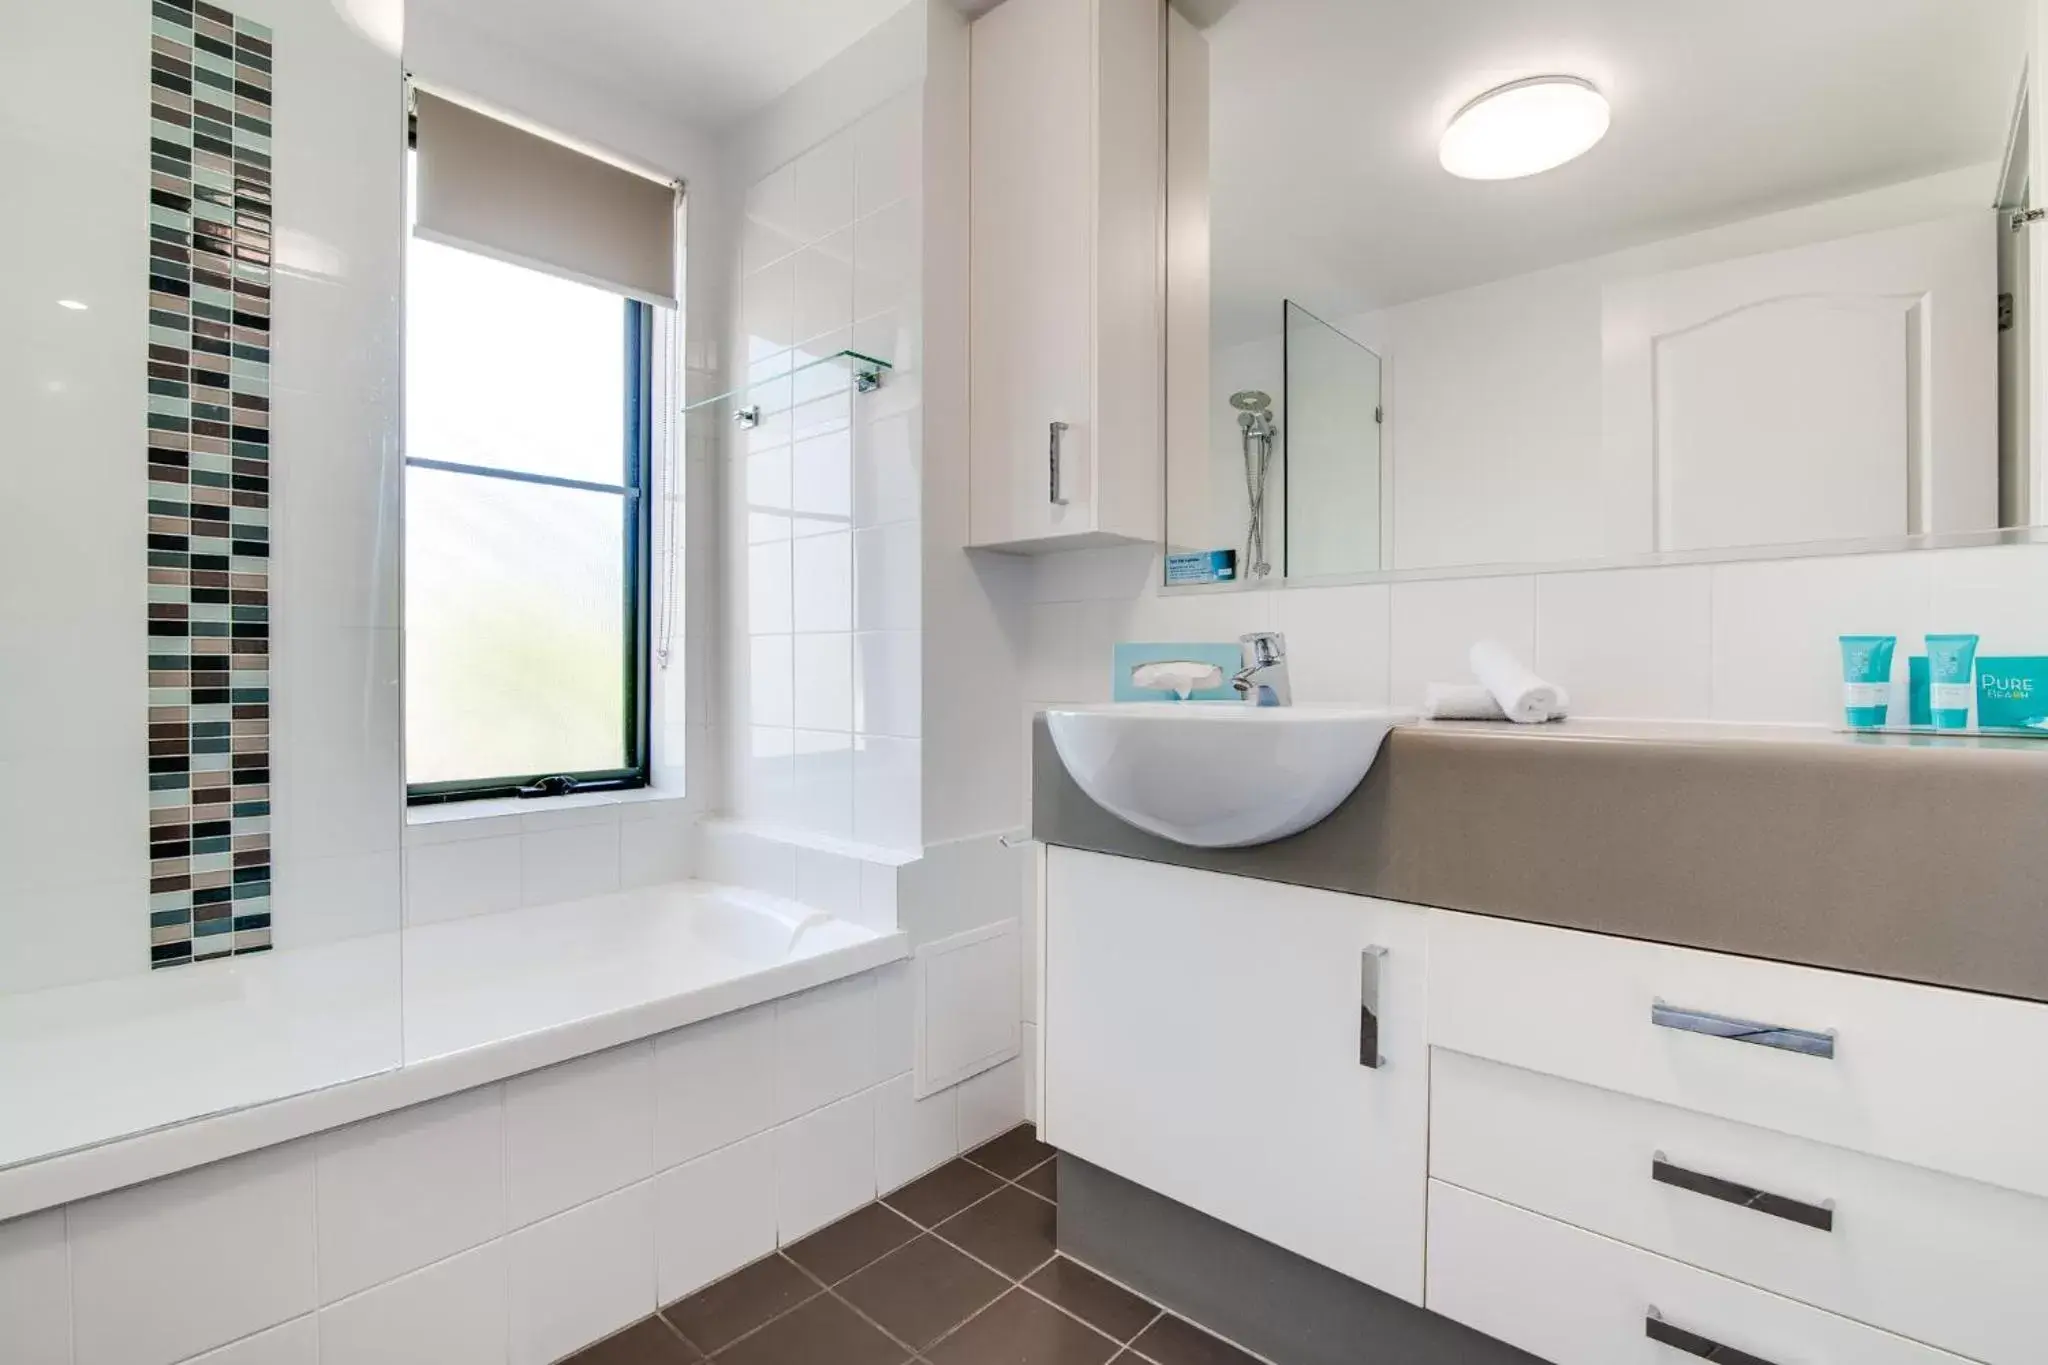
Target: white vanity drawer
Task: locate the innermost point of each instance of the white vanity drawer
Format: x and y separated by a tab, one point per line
1938	1078
1578	1298
1933	1257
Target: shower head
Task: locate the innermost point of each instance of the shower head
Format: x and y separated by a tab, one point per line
1251	400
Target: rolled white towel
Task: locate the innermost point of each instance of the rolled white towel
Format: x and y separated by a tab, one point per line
1524	698
1471	701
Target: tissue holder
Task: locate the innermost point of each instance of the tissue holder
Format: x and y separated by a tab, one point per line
1128	656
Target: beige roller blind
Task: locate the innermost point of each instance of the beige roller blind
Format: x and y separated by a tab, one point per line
489	187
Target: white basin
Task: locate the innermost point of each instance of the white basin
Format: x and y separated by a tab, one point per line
1219	774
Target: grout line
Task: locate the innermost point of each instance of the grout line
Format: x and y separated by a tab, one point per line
751	1331
1122	1346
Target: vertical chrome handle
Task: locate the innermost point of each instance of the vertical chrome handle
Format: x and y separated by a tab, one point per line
1693	1344
1059	497
1743	1030
1821	1216
1372	964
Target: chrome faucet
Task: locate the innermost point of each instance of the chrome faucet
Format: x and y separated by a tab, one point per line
1263	679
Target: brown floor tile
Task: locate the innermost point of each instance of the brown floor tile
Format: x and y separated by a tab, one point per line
932	1199
1096	1301
1012	1154
822	1332
1022	1330
737	1304
1171	1341
1044	1181
647	1342
863	1236
1011	1230
923	1291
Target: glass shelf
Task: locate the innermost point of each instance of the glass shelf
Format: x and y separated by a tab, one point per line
867	377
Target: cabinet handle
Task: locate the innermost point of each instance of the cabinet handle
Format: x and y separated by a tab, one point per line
1059	431
1820	1216
1371	964
1693	1344
1744	1030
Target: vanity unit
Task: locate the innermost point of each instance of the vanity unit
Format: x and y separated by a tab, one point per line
1544	1107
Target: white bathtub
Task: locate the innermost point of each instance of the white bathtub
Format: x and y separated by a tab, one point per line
289	1042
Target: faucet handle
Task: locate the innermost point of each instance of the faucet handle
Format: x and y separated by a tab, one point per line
1263	648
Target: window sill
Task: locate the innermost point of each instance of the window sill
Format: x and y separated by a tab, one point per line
512	814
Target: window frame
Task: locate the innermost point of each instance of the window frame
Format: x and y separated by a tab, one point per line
636	496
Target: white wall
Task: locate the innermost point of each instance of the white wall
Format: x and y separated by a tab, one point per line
511	1224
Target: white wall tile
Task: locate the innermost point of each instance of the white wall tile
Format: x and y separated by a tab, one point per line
1997	593
1069	648
581	1275
578	1130
1777	652
1435	624
408	1189
656	850
888	578
446	881
829	882
35	1290
878	889
771	681
824	1166
769	599
888	787
1201	617
568	864
885	260
821	783
824	1045
888	683
887	465
888	152
912	1135
824	289
823	582
253	1214
1628	642
293	1343
768	494
824	187
714	1215
991	1104
1336	643
824	682
768	310
342	897
339	784
714	1083
453	1312
821	481
895	1019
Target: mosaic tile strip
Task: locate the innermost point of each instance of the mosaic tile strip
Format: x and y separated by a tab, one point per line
209	484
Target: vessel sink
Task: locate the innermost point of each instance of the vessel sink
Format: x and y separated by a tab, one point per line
1219	774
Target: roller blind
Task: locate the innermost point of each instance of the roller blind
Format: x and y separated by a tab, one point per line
489	187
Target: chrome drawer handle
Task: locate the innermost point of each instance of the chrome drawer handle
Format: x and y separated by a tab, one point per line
1820	1216
1744	1030
1057	493
1693	1344
1371	964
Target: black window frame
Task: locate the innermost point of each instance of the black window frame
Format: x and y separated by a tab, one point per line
637	499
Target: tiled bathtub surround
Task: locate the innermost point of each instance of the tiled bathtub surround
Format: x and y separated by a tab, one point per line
209	483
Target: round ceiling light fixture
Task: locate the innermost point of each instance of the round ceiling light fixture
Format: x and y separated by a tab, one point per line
1524	127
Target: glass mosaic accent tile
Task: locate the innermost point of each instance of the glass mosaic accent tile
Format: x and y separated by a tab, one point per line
209	484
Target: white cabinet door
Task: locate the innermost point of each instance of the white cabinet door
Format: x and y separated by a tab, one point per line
1032	296
1203	1038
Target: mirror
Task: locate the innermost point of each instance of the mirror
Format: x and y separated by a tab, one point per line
1470	285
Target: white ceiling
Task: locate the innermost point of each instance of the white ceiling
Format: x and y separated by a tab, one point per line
706	62
1326	115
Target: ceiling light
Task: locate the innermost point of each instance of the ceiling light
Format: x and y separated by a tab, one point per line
1524	127
73	304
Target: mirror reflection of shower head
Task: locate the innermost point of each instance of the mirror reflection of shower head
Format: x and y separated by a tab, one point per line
1256	423
1251	400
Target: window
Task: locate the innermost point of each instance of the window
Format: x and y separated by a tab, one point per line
527	410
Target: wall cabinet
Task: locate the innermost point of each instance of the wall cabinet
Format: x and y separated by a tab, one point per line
1204	1039
1066	364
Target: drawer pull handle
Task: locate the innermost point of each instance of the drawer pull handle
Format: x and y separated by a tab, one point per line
1820	1216
1693	1344
1371	964
1799	1040
1057	492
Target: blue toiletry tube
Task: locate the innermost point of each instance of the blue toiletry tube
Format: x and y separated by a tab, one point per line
1919	700
1867	678
1952	679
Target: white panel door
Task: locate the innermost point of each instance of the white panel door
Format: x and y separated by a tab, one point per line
1843	390
1203	1038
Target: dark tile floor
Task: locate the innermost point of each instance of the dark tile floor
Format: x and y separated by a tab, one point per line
956	1268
